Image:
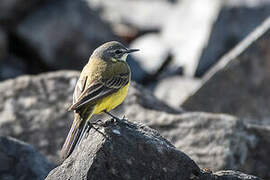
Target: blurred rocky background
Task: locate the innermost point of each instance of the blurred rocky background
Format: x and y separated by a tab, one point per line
201	77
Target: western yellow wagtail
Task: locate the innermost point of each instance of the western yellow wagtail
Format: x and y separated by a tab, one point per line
102	86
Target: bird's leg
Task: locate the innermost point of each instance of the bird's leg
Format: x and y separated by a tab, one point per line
91	125
113	116
124	118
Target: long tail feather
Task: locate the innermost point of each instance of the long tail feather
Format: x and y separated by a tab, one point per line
74	137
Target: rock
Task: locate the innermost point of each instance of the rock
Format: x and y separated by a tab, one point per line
174	90
21	161
153	52
11	12
238	84
235	21
125	150
187	30
214	141
64	33
34	109
228	175
259	157
145	14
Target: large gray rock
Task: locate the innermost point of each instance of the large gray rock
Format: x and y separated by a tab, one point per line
125	151
33	109
214	141
236	20
238	84
64	33
21	161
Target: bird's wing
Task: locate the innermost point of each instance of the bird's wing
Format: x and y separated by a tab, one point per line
100	89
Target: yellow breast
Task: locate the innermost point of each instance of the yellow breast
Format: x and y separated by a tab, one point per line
112	101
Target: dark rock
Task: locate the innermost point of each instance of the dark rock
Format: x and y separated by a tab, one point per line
125	151
238	84
3	44
12	66
21	161
64	33
235	21
227	175
138	73
11	12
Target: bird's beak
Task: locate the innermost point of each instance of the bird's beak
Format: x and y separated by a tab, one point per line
131	50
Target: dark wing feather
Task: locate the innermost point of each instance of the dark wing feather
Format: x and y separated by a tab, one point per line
100	89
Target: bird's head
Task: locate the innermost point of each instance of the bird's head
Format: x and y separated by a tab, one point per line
113	51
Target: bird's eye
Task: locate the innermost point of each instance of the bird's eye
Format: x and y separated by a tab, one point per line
118	51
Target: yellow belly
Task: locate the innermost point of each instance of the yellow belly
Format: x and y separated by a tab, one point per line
112	101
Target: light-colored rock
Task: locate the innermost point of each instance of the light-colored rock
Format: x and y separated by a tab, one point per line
188	29
153	52
34	109
21	161
176	89
142	14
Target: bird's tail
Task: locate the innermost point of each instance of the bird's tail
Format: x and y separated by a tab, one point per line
74	137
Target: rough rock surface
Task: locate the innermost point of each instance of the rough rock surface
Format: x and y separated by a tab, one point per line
214	141
259	161
33	109
227	175
21	161
239	83
125	151
63	33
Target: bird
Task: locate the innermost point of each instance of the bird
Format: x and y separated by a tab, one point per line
102	86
